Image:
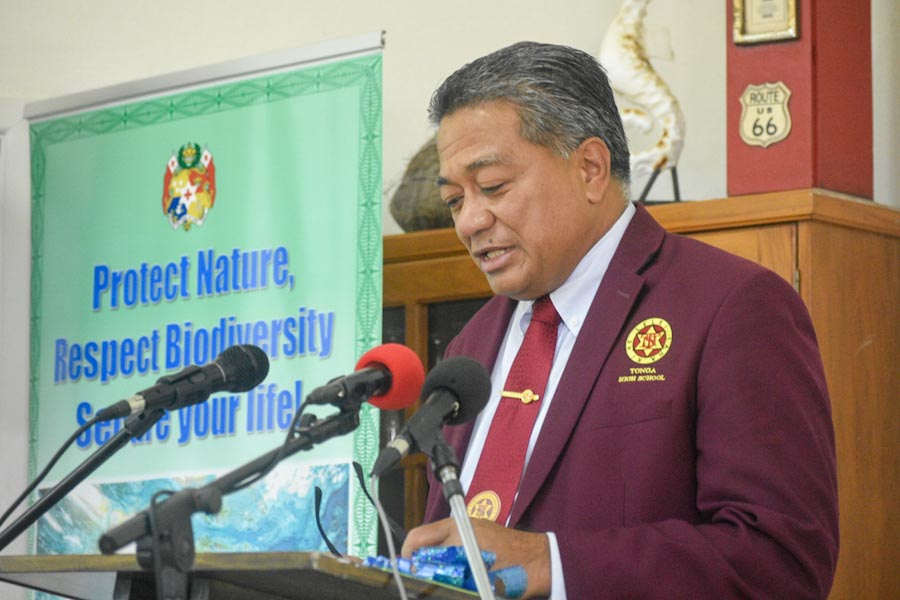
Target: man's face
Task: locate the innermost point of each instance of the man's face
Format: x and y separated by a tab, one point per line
520	210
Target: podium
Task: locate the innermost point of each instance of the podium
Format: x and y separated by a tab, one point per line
236	576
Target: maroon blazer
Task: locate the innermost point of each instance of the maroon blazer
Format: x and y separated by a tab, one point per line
709	473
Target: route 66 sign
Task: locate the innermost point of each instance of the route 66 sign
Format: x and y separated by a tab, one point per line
765	118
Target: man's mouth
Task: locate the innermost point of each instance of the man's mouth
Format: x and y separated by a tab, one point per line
494	259
493	254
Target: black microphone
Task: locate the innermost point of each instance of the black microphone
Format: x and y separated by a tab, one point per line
237	369
364	383
456	391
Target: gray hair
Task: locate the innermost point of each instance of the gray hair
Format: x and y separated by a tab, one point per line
562	94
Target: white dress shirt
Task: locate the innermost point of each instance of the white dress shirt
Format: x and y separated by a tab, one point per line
572	301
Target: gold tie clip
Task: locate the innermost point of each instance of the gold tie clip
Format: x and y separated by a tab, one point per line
527	397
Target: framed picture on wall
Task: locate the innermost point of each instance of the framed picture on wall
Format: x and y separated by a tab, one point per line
759	21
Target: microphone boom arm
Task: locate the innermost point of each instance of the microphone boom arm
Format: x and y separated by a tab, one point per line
137	527
134	427
173	544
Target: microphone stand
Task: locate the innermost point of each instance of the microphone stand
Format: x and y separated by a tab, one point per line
169	546
134	427
446	467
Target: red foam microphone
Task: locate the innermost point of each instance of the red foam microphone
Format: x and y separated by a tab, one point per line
389	376
407	375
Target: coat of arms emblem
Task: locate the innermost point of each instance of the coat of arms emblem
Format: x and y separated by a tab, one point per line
189	186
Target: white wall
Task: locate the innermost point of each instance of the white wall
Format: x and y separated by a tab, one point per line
50	48
15	253
885	91
53	48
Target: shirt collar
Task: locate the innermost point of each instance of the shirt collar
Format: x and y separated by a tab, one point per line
573	298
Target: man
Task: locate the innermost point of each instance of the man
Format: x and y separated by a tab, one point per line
683	446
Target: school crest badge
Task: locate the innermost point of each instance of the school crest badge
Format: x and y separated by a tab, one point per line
189	186
649	341
485	505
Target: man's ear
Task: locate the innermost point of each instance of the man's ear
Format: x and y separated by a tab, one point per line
595	167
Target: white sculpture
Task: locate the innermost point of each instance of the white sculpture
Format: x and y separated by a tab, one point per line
631	75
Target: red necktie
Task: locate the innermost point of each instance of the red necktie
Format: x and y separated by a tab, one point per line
499	469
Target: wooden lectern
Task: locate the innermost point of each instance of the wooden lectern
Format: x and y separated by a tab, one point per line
253	576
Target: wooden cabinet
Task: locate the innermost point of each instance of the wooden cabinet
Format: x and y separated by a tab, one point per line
841	254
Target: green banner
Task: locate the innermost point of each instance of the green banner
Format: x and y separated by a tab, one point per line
170	228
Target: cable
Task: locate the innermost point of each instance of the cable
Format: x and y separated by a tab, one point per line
398	531
392	551
322	529
53	460
282	451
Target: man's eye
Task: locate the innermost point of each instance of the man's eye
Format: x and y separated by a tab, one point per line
493	189
453	202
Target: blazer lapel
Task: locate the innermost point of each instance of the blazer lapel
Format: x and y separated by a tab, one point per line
608	314
489	326
492	322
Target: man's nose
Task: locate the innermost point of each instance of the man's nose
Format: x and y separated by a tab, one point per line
473	217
